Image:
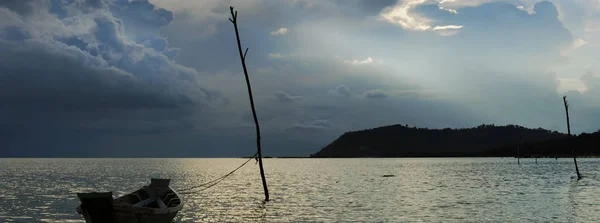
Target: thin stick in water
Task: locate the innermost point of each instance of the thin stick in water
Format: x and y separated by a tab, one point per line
569	132
243	59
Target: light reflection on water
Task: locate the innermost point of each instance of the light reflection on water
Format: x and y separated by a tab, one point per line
317	190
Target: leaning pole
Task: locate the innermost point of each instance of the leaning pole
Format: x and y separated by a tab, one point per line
243	59
569	132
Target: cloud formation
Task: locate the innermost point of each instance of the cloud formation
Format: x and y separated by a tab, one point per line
592	86
403	14
376	94
77	60
342	90
86	59
368	60
285	97
280	31
118	73
448	30
276	55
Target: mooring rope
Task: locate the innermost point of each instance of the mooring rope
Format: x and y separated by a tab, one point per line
215	181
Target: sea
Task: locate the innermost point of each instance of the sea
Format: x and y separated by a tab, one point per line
317	190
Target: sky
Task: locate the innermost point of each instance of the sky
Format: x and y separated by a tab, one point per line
162	78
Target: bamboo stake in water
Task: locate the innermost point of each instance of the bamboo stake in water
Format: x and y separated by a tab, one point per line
569	132
243	59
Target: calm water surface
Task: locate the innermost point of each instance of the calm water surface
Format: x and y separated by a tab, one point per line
318	190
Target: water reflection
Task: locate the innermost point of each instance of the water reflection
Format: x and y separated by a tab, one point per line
572	192
317	190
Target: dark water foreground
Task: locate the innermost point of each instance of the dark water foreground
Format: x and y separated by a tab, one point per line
318	190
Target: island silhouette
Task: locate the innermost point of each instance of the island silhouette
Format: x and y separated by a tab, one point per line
486	140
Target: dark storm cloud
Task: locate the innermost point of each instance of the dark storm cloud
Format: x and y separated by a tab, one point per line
21	6
143	22
78	69
140	12
59	76
65	68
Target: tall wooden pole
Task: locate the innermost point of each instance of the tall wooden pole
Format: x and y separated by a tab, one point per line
243	59
569	132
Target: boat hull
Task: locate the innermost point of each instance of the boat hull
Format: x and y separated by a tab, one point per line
126	217
155	203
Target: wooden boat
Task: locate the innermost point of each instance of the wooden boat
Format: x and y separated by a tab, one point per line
156	202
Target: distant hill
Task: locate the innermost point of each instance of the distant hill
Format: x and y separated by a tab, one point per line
404	141
585	144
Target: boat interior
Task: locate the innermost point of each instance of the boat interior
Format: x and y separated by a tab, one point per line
149	198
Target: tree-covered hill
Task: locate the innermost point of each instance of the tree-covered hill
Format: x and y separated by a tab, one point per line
404	141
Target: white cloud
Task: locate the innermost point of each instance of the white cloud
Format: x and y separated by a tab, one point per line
276	55
449	30
453	11
453	4
448	27
369	60
280	31
525	5
569	84
577	43
401	14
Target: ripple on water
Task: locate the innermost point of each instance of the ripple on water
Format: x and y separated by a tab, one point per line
316	190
